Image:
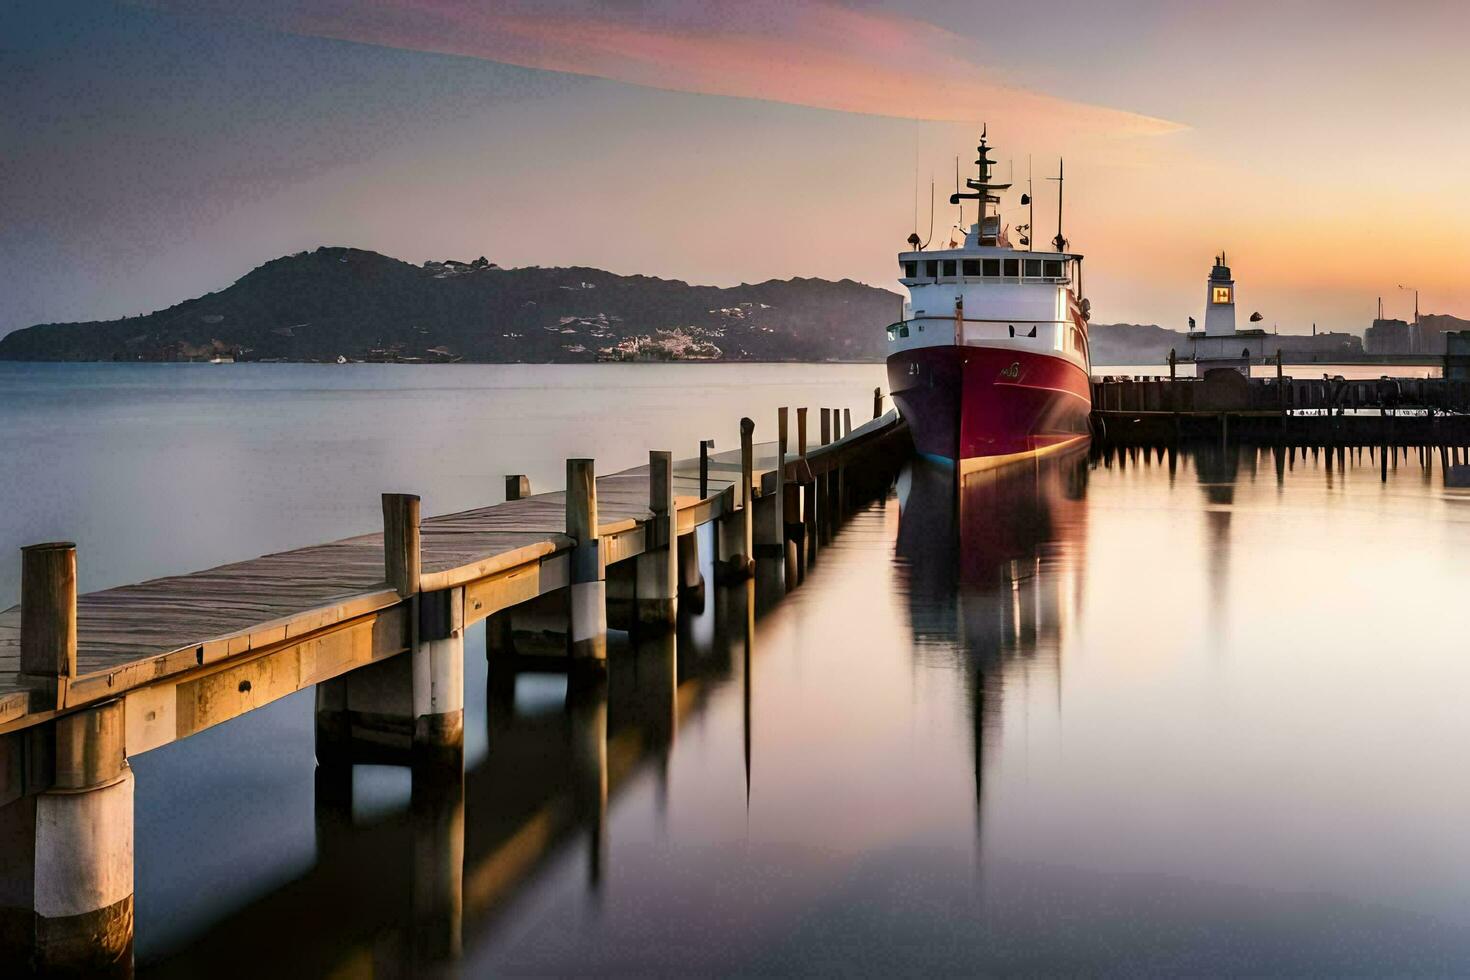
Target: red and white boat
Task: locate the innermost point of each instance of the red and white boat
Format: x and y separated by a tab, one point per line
990	361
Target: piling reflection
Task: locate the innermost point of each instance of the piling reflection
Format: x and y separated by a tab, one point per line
403	892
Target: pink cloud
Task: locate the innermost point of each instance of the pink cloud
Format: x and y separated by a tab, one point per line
814	54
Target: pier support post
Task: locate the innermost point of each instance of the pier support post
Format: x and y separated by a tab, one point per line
770	545
656	589
517	486
70	859
705	447
401	542
48	617
587	642
808	496
438	674
737	533
691	580
824	482
877	402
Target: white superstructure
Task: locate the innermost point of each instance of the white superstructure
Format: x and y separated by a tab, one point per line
987	293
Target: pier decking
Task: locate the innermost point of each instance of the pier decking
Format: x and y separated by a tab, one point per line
86	681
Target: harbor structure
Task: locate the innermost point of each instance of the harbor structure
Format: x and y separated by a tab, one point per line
1220	345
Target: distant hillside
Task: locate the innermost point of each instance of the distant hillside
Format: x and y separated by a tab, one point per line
1134	343
345	302
1435	326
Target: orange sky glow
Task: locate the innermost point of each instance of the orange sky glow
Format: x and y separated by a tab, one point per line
1317	144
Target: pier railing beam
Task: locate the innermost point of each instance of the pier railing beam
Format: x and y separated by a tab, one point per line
656	588
48	616
587	638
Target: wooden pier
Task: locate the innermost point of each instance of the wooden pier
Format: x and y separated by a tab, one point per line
1136	411
376	624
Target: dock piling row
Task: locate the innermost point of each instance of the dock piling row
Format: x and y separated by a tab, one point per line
385	658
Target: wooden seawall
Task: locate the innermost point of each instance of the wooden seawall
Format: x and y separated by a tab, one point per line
376	624
1306	412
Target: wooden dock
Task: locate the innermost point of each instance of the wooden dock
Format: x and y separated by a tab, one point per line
376	624
1328	411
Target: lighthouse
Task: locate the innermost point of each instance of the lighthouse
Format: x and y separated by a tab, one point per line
1220	300
1220	344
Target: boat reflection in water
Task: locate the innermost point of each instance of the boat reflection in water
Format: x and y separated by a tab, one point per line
994	572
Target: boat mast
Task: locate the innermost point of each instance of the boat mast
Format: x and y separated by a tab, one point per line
984	193
1060	178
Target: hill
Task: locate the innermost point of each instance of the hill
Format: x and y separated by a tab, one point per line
359	305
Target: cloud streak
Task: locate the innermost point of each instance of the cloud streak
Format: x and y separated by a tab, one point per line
821	55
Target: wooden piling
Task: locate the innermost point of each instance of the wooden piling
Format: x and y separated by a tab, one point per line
517	487
437	653
82	858
656	586
705	445
846	422
737	531
747	490
808	501
877	402
824	482
48	616
401	547
770	546
587	638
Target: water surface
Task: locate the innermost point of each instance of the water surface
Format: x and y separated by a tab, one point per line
1195	713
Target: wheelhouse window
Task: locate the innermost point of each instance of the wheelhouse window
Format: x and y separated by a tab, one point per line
911	270
1013	268
1054	269
949	267
992	268
931	268
1033	268
972	267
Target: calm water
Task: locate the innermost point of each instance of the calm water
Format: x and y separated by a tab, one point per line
1202	714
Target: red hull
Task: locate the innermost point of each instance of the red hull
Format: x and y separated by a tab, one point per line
976	403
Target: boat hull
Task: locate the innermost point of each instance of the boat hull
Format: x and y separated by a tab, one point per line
977	406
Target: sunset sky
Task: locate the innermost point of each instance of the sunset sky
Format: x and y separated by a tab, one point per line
157	150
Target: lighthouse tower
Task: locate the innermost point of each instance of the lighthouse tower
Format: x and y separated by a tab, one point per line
1220	344
1220	300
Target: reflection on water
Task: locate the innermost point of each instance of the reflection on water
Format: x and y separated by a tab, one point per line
1157	711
